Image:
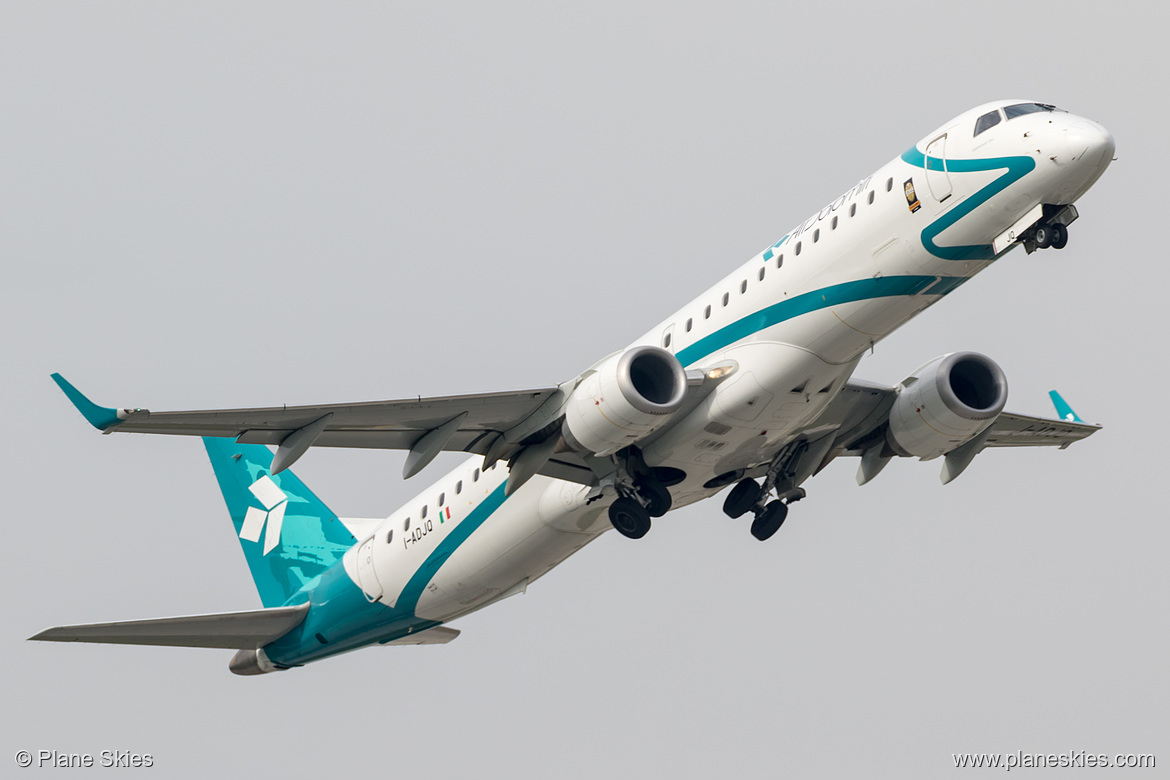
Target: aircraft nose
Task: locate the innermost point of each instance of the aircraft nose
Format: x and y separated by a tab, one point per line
1088	143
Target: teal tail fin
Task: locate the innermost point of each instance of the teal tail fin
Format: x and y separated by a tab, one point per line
288	535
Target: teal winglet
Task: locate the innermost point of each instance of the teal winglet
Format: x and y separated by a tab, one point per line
99	417
1063	410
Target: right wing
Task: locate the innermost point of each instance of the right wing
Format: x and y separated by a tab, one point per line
424	426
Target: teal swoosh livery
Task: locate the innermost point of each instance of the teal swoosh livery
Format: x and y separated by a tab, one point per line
847	292
446	548
1016	169
341	618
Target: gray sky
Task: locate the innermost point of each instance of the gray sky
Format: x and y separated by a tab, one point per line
246	204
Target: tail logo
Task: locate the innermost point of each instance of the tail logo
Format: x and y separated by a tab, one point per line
274	500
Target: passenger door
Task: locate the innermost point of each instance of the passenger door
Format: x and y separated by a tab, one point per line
937	178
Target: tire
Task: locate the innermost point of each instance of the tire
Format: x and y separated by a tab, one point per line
741	498
1043	236
1059	236
658	500
770	520
629	518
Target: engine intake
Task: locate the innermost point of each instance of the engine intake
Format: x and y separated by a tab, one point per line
945	403
626	398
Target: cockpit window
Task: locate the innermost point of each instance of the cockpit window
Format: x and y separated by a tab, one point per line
1027	108
986	122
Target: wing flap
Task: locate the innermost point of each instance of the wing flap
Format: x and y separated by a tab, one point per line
228	630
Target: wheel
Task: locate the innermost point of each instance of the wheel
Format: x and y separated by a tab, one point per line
1059	236
629	518
1043	236
741	498
769	521
657	497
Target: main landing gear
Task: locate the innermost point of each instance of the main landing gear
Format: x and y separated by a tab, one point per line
749	496
642	494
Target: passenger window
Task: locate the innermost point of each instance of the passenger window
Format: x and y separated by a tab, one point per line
475	476
390	536
871	197
423	513
689	321
762	269
726	298
889	184
406	525
816	235
833	225
853	210
707	313
458	487
442	498
780	261
986	122
743	287
798	247
666	340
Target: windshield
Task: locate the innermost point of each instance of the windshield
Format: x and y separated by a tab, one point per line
1027	108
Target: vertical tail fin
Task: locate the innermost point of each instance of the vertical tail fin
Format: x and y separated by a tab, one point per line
288	535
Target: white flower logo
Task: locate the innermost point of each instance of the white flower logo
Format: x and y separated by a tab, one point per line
274	500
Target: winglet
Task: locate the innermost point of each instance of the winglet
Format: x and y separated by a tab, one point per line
1063	410
99	417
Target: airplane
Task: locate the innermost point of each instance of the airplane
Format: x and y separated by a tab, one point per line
748	386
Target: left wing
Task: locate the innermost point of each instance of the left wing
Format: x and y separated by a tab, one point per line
858	415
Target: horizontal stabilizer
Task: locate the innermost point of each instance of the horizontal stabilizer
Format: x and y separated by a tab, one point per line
229	630
439	635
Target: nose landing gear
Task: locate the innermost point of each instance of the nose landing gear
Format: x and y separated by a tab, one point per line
1055	236
1052	229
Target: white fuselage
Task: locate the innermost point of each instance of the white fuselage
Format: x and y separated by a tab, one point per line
795	320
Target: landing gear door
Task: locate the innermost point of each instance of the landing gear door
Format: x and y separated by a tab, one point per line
367	579
937	177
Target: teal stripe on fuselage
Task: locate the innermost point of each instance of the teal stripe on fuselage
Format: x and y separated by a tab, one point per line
447	546
847	292
1017	168
343	616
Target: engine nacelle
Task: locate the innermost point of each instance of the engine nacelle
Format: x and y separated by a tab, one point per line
629	396
945	403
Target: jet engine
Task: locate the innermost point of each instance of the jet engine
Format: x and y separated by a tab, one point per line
626	397
945	403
